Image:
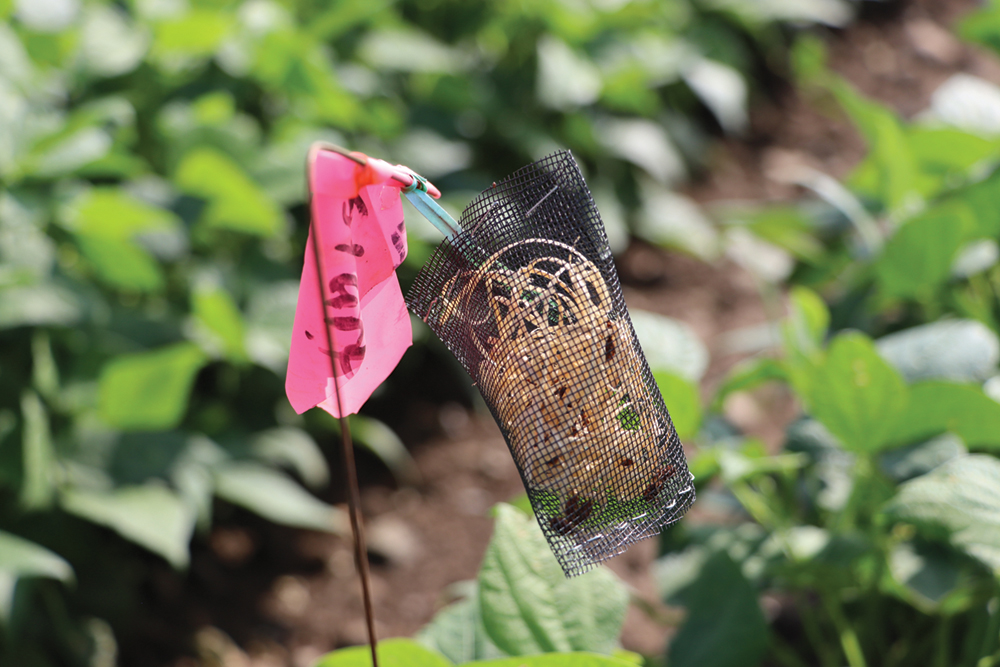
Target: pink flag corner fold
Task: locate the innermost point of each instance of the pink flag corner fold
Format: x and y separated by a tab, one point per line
358	218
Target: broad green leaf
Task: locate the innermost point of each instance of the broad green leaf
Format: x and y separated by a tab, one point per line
725	626
269	315
197	32
45	304
961	497
984	200
220	322
787	228
747	375
963	409
122	264
905	463
575	659
37	454
113	213
294	448
888	148
458	633
385	444
947	151
670	345
683	403
233	200
918	258
149	390
983	26
152	516
807	321
274	496
391	653
23	558
958	350
853	392
930	576
529	606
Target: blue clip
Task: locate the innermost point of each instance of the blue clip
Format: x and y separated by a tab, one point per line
416	192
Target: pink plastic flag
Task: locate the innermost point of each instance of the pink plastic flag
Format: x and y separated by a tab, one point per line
358	218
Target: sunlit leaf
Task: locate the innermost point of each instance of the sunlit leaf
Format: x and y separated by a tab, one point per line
149	390
196	32
963	409
274	496
220	322
24	558
958	350
670	345
683	402
234	201
961	497
529	606
391	653
38	455
853	391
457	632
44	304
122	264
905	463
152	516
294	448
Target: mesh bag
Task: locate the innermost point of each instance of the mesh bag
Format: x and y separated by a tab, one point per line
527	298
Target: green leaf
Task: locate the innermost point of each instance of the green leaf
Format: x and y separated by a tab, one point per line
963	409
197	32
575	659
748	375
905	463
391	653
458	633
888	148
122	264
930	576
808	321
23	558
234	201
918	258
274	496
113	213
529	606
984	200
151	516
670	345
220	321
295	449
958	350
853	392
149	390
38	455
725	626
982	26
961	497
39	305
382	441
683	403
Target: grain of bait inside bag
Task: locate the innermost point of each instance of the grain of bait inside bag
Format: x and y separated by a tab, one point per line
527	298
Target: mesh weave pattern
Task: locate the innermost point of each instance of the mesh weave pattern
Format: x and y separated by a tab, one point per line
528	300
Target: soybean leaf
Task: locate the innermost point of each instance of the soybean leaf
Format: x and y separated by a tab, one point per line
385	444
930	576
114	213
959	350
529	606
807	321
905	463
274	496
294	448
963	409
42	304
197	32
575	659
391	653
234	201
853	392
683	403
152	516
748	375
149	390
670	345
962	497
121	264
219	322
23	558
457	632
725	626
984	200
38	456
918	258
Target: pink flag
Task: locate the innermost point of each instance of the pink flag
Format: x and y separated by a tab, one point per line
358	218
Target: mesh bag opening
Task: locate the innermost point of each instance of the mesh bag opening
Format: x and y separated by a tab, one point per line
528	300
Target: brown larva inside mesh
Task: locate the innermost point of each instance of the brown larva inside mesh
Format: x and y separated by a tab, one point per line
527	298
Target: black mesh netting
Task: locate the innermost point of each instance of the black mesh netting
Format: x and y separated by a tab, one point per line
528	300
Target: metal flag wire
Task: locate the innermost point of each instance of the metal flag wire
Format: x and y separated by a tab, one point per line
347	445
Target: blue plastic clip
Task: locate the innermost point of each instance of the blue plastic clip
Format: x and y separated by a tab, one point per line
416	192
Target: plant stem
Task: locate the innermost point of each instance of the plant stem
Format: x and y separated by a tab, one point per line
943	641
815	634
848	638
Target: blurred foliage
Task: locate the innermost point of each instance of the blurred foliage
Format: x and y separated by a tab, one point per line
152	223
